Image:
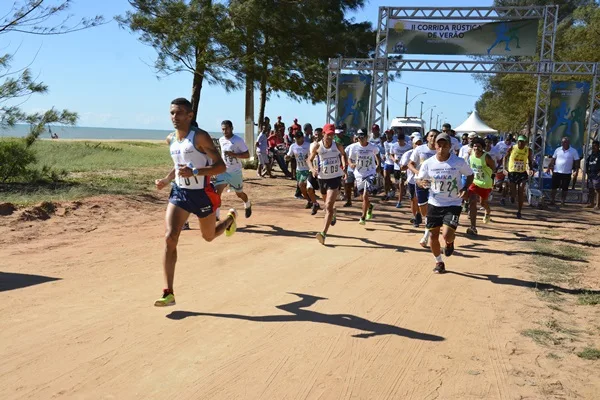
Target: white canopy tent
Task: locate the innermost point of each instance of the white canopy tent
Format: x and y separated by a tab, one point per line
474	124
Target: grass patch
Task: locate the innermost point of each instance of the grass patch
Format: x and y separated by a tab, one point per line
562	251
550	296
555	308
539	336
555	326
550	232
92	168
553	356
589	353
552	270
589	299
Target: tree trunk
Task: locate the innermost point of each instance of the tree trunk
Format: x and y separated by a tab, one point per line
197	88
249	127
263	84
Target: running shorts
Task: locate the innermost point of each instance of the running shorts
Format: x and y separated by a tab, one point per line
313	183
422	195
388	167
475	190
438	216
302	176
367	183
201	202
594	184
234	179
412	190
330	184
517	177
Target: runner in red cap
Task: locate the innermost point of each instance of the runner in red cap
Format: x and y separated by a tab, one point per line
331	168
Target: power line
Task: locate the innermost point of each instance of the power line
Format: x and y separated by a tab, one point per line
440	91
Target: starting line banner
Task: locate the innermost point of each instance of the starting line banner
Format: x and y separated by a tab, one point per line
508	38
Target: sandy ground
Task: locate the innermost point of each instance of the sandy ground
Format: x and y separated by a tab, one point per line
271	314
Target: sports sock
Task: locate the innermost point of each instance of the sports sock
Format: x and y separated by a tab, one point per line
438	258
247	204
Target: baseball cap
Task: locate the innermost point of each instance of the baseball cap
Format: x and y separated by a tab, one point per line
329	129
416	136
442	136
338	131
522	138
375	126
361	133
473	134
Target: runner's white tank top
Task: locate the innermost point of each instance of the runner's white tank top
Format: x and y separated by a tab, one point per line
329	161
184	152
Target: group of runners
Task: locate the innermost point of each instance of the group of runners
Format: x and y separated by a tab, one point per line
441	177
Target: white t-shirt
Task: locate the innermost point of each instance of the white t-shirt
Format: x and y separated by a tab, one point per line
365	160
495	154
410	176
420	154
348	151
235	144
398	151
388	146
455	144
465	152
445	177
564	160
262	143
502	149
301	153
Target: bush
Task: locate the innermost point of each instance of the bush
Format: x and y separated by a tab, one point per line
15	158
250	164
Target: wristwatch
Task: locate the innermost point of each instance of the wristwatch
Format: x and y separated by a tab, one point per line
195	171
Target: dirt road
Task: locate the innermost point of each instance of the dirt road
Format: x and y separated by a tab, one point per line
271	314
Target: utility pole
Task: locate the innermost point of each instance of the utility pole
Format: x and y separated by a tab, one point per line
430	118
421	116
406	103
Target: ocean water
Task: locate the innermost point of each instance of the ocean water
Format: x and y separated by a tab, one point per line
82	132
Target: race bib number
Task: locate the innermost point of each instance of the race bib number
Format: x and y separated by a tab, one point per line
185	182
301	160
364	163
331	166
442	186
519	166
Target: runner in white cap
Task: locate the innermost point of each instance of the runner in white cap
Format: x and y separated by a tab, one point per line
410	179
398	149
418	157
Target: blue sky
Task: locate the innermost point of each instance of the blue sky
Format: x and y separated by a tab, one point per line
103	74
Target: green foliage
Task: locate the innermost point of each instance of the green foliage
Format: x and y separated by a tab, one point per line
15	158
187	36
589	353
508	103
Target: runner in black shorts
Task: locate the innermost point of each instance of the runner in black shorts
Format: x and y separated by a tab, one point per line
442	174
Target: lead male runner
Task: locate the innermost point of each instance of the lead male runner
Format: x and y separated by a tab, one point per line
195	160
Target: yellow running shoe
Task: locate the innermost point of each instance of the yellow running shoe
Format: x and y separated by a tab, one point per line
233	227
168	299
486	218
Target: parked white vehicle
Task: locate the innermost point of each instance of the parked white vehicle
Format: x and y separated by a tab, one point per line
408	125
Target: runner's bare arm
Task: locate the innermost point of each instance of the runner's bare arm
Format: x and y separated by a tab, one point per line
490	162
378	158
169	137
531	163
506	158
412	167
245	154
161	183
311	159
464	192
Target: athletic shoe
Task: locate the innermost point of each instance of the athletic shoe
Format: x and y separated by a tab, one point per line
486	218
186	226
298	197
449	249
412	220
233	227
348	204
315	208
334	218
423	243
519	216
440	268
248	211
362	221
419	219
415	223
370	213
167	299
321	237
399	204
308	205
472	231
